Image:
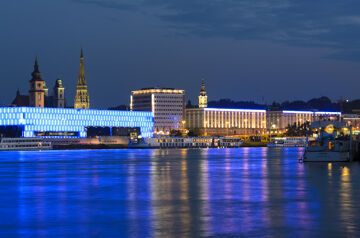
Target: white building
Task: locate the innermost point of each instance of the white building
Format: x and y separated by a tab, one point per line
167	104
226	122
277	121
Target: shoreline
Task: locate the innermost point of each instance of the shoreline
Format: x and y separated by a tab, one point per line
123	146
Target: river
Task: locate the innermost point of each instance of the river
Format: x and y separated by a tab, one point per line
250	192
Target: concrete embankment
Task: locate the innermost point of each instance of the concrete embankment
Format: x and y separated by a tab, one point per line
254	144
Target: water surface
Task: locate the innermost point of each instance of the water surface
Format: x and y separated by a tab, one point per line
248	192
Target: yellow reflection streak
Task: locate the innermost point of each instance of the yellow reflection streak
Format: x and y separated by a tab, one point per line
346	201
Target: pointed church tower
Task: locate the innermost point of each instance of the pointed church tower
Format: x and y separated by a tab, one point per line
36	92
59	94
82	96
202	96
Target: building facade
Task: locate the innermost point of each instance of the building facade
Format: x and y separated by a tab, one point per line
352	120
39	94
59	94
72	123
226	122
277	121
82	100
167	105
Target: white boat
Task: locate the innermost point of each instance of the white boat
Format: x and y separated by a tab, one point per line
16	144
287	142
332	143
192	142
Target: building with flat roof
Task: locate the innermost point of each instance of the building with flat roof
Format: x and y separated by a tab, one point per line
352	120
167	105
226	122
277	121
72	123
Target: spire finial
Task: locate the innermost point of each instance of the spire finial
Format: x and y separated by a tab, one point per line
36	61
202	84
82	54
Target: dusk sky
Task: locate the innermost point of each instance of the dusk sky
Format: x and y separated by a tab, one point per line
260	50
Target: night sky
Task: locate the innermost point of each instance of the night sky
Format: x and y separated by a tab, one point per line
261	50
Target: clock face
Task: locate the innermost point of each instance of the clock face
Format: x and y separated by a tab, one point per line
329	129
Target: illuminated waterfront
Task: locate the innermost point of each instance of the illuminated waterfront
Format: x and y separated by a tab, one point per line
163	193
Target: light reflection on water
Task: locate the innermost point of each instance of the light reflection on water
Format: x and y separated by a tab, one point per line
176	193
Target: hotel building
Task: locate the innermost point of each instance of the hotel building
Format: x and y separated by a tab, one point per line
226	122
167	105
277	121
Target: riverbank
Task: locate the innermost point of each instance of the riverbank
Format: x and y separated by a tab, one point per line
254	144
124	146
90	146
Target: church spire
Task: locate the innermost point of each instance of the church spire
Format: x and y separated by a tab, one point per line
81	78
36	75
203	92
37	90
82	97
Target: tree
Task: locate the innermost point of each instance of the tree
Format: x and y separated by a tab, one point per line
297	129
194	132
175	133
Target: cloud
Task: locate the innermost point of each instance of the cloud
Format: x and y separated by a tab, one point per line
331	24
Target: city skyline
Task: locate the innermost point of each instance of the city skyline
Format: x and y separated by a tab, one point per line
258	57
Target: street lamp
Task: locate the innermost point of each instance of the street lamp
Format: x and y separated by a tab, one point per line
205	123
273	126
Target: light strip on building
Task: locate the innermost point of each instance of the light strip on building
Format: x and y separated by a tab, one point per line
310	112
131	103
153	103
298	112
233	110
329	113
146	91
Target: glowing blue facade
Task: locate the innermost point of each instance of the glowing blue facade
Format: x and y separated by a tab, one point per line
66	120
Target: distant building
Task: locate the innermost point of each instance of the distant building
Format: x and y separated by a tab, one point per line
59	94
20	100
38	93
167	104
352	120
226	122
82	100
202	96
277	121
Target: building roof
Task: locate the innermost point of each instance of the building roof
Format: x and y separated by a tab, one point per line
158	90
225	109
20	100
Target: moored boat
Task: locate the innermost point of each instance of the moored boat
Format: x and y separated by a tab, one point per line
332	142
18	144
287	142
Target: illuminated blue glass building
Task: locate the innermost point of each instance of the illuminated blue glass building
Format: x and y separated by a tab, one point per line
72	123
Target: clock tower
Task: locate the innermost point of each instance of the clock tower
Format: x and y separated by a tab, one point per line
202	96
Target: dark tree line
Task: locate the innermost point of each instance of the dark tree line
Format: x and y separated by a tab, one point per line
297	129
